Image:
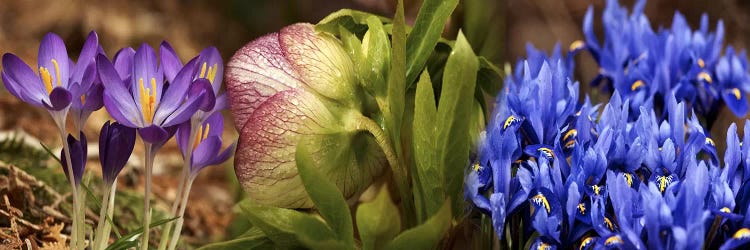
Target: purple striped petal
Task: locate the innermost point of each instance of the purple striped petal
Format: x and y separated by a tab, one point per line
183	113
118	112
183	137
221	103
117	99
12	87
123	62
94	98
224	156
27	82
154	134
145	68
175	95
60	99
203	86
86	59
170	62
216	121
53	48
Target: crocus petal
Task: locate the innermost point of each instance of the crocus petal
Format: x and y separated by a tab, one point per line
117	100
204	153
224	155
204	86
123	62
29	84
78	156
221	103
145	70
175	95
216	121
183	113
116	144
183	138
212	59
94	98
153	134
86	58
52	49
170	62
12	87
60	99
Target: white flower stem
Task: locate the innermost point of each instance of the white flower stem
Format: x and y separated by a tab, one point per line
147	195
75	237
104	226
183	203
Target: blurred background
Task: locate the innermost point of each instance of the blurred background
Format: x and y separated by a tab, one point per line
498	30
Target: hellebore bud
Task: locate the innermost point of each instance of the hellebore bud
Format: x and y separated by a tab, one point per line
298	86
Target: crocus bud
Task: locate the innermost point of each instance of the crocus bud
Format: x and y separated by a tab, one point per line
298	86
116	143
78	155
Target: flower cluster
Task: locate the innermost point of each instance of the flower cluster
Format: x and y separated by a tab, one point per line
632	173
154	97
644	65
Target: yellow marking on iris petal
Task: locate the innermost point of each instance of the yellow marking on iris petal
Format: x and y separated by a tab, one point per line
582	208
742	233
547	152
510	120
701	63
705	77
614	239
596	189
737	93
585	242
570	144
543	246
637	85
629	179
725	210
477	167
609	223
57	72
572	132
539	199
664	182
148	100
710	141
577	44
46	79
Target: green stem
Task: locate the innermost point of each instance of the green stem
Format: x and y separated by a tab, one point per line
147	195
99	235
400	173
178	227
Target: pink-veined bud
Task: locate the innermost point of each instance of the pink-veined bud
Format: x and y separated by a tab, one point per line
298	86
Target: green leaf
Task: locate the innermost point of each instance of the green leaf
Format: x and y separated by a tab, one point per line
378	221
133	238
489	77
351	43
290	228
326	196
254	238
454	113
352	20
372	68
428	173
427	235
428	27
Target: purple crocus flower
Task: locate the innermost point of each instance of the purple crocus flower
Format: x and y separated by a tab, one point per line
143	101
58	81
206	148
78	155
85	83
209	66
116	143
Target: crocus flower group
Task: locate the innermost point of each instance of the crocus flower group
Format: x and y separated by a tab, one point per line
638	172
141	95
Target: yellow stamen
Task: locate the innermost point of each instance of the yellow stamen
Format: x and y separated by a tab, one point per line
725	210
203	71
539	199
615	239
572	132
212	73
202	134
46	79
585	242
742	233
148	100
57	72
701	63
577	44
705	77
83	99
636	85
737	93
